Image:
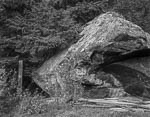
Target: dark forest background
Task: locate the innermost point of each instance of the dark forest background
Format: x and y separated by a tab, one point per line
35	30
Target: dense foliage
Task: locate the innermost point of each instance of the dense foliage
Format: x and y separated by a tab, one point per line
38	29
136	11
35	30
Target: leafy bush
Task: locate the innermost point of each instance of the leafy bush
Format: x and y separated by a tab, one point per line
136	11
13	103
8	97
35	30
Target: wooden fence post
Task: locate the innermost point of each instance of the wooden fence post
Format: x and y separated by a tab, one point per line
20	74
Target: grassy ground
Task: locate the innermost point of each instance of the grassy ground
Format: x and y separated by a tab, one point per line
88	112
34	108
76	111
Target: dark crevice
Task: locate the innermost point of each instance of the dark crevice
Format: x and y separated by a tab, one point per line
32	87
119	58
134	82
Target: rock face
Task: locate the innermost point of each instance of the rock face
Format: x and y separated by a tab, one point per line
112	59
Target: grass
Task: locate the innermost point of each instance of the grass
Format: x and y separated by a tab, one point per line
77	111
8	106
32	107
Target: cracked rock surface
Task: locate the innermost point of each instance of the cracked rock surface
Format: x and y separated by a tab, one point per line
112	59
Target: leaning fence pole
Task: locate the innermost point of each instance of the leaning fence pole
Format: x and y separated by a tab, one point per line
20	74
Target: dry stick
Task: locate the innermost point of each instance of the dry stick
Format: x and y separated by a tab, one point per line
75	91
20	74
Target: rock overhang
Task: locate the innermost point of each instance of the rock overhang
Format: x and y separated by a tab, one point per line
105	40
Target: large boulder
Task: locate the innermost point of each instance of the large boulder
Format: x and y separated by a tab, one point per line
111	59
